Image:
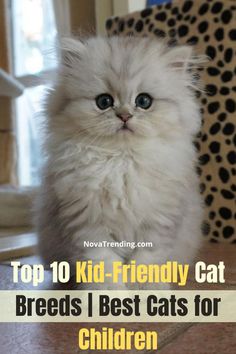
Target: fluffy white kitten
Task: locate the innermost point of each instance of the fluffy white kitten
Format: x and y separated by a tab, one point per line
121	162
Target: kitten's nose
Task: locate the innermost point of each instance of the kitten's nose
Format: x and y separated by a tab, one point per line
124	116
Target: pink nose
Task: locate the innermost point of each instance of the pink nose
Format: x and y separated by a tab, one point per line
124	117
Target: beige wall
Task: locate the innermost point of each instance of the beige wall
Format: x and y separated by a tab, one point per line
82	16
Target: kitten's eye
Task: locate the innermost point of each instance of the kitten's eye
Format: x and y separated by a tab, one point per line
143	100
104	101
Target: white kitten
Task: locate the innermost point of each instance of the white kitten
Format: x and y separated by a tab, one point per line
121	162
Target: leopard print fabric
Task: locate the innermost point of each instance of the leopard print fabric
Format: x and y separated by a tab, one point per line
211	26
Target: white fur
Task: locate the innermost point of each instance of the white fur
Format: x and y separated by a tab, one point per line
101	183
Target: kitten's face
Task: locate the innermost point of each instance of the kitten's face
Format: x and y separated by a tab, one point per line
124	87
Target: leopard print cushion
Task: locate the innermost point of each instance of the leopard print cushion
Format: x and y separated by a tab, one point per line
211	27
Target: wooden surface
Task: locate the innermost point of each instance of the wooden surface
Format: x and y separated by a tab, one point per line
17	246
4	60
7	138
7	157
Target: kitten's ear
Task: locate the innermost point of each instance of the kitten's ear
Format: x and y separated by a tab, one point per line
180	57
71	49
